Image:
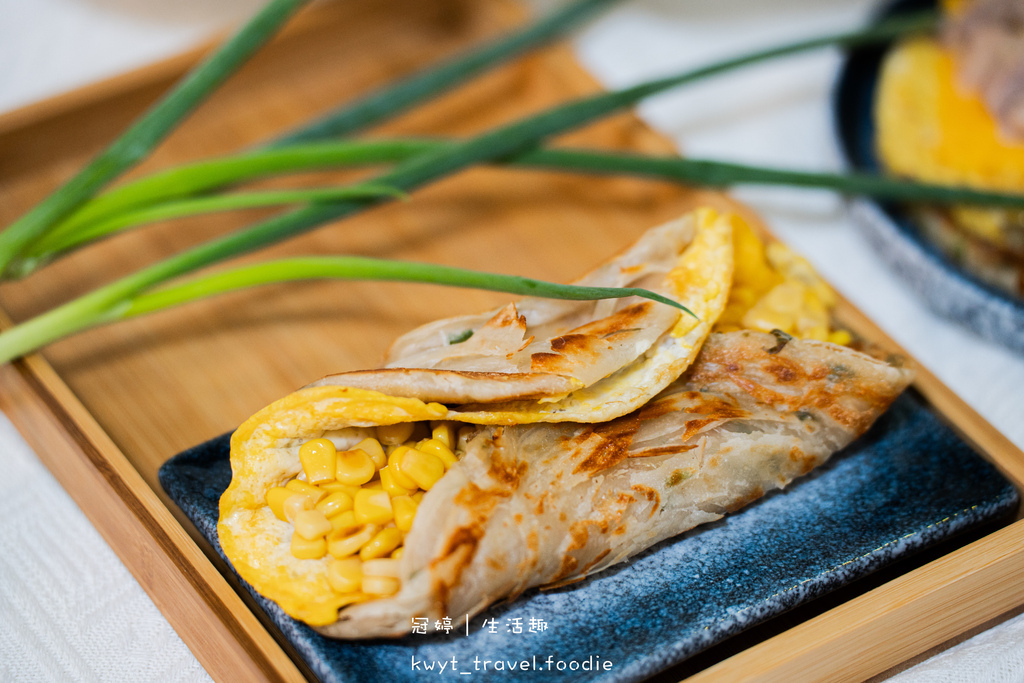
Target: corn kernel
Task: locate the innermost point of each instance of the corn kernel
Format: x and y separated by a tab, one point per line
785	298
818	332
380	585
744	296
405	511
381	567
780	256
752	268
392	435
444	432
373	485
767	320
295	504
305	549
312	492
355	468
373	449
338	487
398	552
418	496
438	449
335	503
381	544
311	524
373	507
840	337
423	468
824	293
340	546
345	576
344	523
388	484
317	458
275	501
397	475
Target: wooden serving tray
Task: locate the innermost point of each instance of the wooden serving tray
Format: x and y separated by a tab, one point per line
106	408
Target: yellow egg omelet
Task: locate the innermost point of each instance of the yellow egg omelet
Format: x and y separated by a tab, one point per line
930	129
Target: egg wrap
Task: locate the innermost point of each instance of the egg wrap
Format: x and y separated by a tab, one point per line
549	503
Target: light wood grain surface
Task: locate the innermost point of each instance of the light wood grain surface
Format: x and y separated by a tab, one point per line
107	408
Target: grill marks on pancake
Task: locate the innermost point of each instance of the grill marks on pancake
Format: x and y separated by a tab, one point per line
603	450
663	450
505	469
603	446
579	533
650	494
586	343
459	551
506	472
609	516
839	390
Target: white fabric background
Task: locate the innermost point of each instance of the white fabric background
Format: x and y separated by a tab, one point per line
69	611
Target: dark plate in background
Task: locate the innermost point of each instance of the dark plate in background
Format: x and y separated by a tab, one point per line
910	483
948	289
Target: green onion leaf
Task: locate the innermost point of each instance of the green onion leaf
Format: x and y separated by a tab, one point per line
695	172
364	268
54	244
90	311
137	142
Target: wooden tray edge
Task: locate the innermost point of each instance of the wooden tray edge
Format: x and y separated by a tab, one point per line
233	644
962	418
918	611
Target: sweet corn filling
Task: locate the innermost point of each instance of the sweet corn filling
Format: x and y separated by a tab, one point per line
356	506
775	289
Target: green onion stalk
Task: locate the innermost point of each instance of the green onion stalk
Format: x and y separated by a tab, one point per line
83	314
112	301
365	268
55	243
138	141
691	172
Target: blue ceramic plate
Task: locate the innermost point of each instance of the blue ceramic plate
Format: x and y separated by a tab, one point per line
948	289
908	484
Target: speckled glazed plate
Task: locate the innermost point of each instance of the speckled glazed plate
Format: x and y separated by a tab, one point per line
947	288
908	484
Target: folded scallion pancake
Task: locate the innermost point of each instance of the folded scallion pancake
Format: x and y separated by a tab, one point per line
540	504
558	439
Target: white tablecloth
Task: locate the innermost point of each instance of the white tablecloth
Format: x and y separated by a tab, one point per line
69	611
